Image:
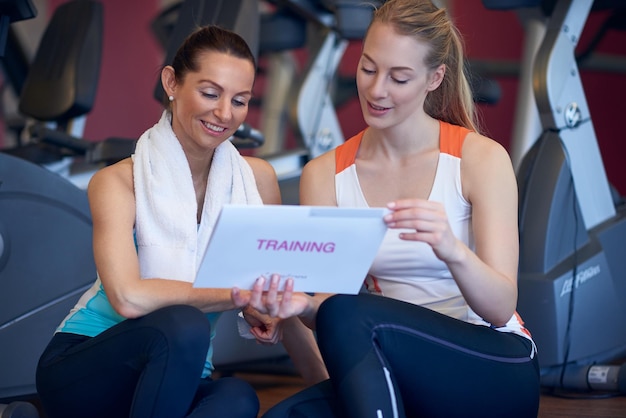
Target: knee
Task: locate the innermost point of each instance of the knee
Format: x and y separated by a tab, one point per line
334	309
314	401
247	404
344	319
335	318
333	306
184	326
243	400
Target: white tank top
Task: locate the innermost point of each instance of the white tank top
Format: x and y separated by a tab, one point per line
408	270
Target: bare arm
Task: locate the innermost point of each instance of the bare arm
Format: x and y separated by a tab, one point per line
300	343
112	201
488	277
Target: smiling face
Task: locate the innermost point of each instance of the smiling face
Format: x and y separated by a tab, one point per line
210	103
392	79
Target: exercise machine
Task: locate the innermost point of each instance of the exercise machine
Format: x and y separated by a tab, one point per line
11	370
572	271
46	259
59	91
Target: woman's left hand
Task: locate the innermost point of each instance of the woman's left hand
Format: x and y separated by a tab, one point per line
266	330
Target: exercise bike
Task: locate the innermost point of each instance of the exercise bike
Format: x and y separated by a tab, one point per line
46	260
572	270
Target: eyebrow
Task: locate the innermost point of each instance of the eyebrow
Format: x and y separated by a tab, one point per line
398	68
241	93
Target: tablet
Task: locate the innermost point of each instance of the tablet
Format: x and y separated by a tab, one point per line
324	249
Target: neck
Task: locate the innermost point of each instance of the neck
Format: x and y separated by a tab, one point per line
400	141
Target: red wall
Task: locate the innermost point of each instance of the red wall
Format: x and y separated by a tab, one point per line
498	35
132	58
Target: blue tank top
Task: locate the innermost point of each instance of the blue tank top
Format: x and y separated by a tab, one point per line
93	314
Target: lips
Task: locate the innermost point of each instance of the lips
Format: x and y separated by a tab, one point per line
380	108
377	110
214	128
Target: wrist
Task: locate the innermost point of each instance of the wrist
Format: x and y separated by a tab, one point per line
309	313
458	255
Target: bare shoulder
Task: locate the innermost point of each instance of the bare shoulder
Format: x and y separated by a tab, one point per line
476	144
484	152
111	194
317	182
260	167
485	163
325	163
266	181
118	176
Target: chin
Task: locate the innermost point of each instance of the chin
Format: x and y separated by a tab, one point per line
376	123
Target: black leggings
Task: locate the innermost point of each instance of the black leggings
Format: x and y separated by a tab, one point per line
144	367
391	359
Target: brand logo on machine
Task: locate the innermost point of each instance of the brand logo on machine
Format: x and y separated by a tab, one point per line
581	278
573	115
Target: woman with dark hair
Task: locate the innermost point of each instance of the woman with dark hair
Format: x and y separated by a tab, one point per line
138	342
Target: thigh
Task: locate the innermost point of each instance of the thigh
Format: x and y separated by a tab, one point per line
439	366
96	380
102	376
225	397
317	401
455	378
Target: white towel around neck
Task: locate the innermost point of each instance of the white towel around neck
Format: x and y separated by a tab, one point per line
170	242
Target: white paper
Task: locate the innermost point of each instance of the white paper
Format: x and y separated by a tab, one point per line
324	249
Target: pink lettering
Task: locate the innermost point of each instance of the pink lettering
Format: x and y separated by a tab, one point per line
298	246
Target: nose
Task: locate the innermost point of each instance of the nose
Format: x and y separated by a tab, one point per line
223	110
378	86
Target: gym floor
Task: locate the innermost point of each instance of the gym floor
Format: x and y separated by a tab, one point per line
273	388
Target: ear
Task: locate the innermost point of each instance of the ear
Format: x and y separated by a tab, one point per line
168	80
436	77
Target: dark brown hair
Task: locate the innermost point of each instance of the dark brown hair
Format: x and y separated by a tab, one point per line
209	38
